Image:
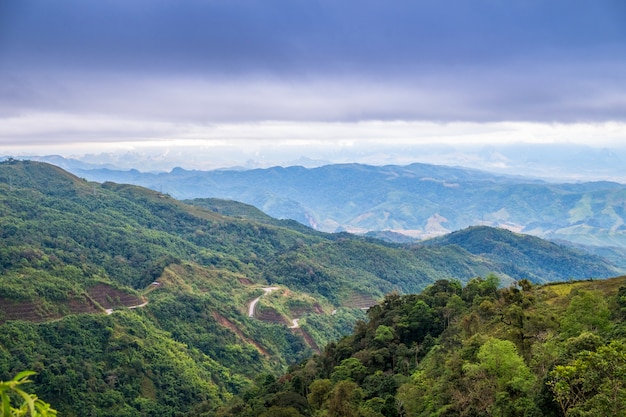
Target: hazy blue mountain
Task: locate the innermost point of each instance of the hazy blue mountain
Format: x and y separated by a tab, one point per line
418	200
559	162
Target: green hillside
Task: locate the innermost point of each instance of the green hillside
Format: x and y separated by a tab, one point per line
516	252
129	302
550	350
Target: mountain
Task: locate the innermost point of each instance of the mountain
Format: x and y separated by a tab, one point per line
126	301
416	200
516	252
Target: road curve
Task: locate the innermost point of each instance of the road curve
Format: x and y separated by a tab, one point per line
256	300
110	310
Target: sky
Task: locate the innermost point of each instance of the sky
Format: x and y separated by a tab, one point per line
247	82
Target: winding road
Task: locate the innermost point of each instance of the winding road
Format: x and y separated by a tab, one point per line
256	300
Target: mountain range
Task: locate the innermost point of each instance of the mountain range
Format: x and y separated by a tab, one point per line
418	200
127	301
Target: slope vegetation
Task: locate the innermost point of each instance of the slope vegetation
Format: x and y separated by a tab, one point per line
72	251
542	260
550	350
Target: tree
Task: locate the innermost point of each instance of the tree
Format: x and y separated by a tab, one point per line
452	309
481	287
281	412
351	369
491	284
593	383
587	311
344	400
318	392
384	335
500	383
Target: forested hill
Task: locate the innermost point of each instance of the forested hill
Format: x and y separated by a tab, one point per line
540	259
127	301
530	351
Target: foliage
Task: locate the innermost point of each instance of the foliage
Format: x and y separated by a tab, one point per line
592	382
474	351
112	365
31	405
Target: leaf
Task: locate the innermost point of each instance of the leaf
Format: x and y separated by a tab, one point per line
21	377
28	399
6	404
44	409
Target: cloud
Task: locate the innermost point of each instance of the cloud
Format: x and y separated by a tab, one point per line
43	130
281	36
563	94
160	71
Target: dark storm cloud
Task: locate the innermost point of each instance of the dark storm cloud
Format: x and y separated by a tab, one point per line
435	59
283	35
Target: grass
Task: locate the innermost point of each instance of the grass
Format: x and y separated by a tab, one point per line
554	292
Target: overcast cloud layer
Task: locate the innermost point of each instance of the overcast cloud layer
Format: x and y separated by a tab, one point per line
120	73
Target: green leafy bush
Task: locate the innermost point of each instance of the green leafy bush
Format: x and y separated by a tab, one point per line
30	404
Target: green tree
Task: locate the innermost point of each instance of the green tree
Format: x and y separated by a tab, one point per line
592	384
500	383
587	311
319	390
351	369
344	400
384	335
280	412
454	306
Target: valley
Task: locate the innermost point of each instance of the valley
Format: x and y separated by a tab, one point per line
207	295
548	350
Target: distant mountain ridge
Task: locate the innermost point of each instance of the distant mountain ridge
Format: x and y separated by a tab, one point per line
417	200
515	252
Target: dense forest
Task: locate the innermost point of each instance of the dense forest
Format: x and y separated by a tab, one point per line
549	350
127	302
